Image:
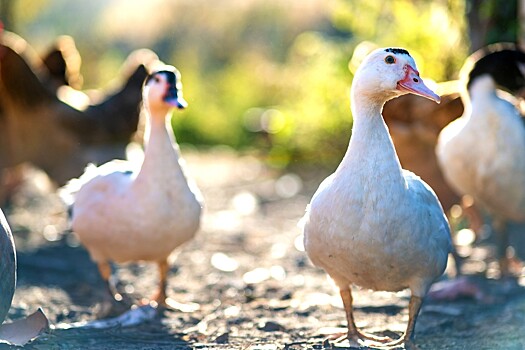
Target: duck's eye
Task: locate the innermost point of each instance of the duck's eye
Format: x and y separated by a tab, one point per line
390	59
156	79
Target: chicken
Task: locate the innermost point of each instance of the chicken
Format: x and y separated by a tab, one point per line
37	127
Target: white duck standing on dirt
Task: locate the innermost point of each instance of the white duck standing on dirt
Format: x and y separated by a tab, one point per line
373	224
482	153
123	212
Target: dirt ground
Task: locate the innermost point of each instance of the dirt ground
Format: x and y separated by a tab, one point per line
246	271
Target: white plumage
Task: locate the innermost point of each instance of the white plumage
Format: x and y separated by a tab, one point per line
125	212
371	223
482	153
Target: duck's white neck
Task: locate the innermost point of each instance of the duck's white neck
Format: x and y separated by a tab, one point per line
370	145
161	155
159	133
482	87
481	91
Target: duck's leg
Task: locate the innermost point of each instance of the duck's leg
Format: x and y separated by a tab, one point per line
413	311
354	335
458	261
111	298
105	272
502	243
160	297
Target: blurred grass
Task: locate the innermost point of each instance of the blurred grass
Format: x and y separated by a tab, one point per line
264	75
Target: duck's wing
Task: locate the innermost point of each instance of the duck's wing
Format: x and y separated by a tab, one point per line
428	209
322	187
114	174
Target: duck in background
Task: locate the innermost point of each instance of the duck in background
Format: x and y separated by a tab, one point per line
372	223
482	154
125	212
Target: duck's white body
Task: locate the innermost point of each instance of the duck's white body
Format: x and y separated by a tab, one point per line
482	154
371	223
121	215
123	212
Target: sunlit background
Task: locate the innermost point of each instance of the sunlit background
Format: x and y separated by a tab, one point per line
267	83
269	76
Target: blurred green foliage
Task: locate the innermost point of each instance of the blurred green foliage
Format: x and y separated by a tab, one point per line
433	31
269	76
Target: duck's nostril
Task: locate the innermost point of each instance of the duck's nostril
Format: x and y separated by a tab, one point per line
415	80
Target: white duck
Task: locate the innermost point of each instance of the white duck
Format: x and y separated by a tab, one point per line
482	153
372	223
124	214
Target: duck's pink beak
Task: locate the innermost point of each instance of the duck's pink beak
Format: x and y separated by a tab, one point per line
413	84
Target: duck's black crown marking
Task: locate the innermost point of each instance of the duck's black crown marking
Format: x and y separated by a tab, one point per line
396	50
171	73
502	62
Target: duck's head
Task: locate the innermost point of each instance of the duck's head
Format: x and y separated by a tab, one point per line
503	62
163	88
387	73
